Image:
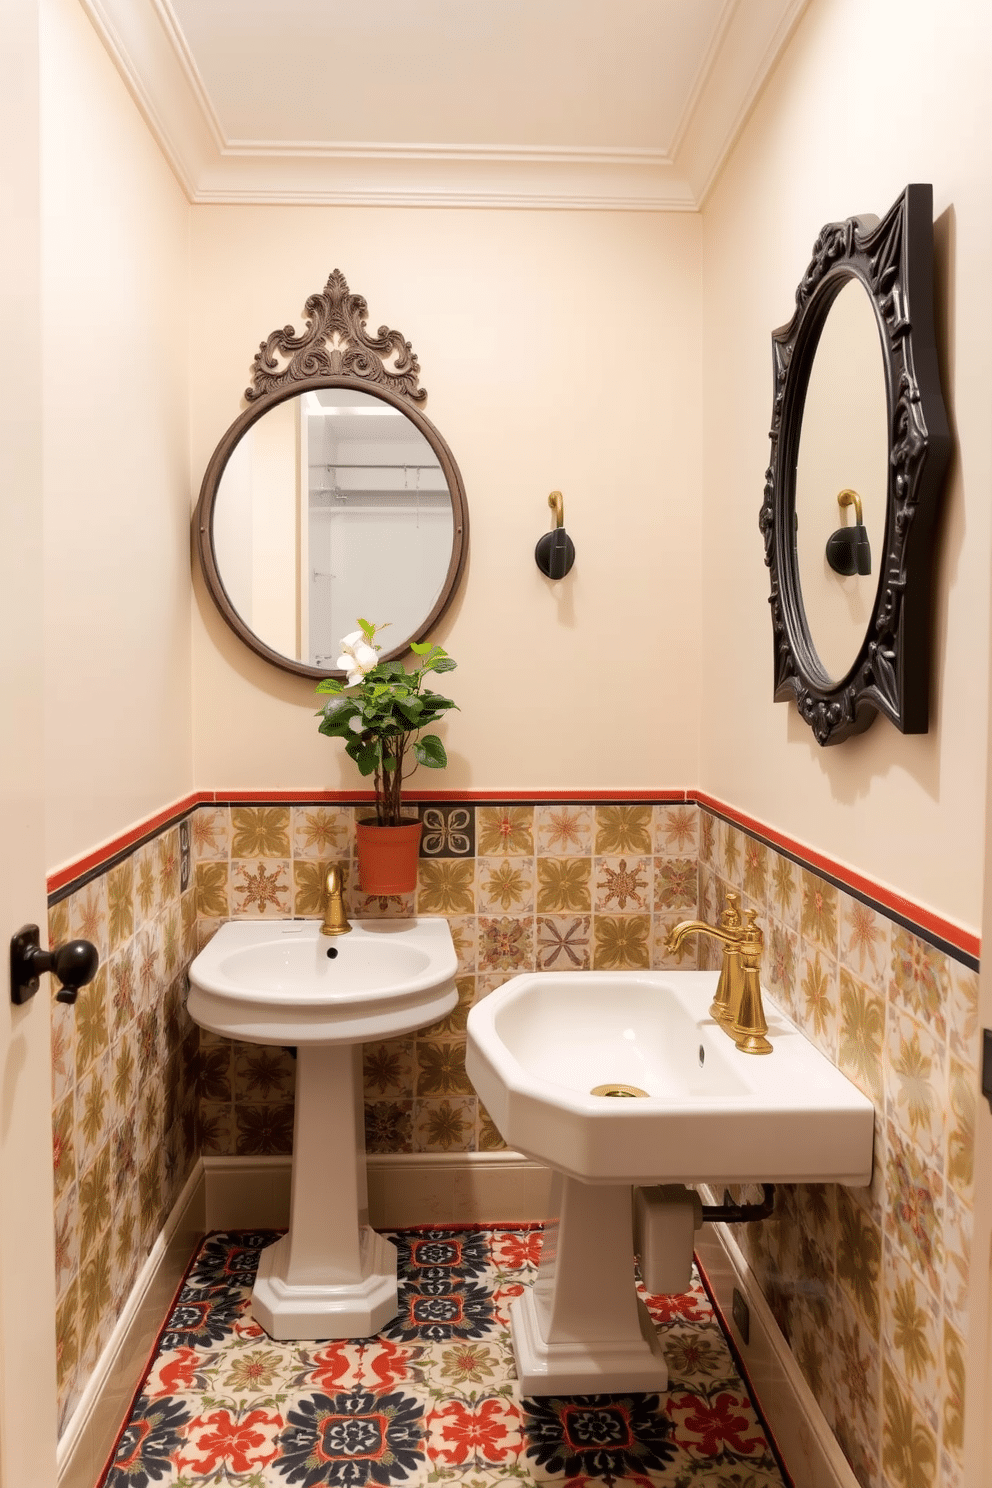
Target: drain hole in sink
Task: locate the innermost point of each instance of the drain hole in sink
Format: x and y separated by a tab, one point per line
614	1088
331	952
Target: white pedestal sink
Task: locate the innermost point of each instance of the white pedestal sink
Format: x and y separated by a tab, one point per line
282	982
707	1113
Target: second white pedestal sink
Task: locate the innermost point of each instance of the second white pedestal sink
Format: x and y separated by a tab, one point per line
283	982
539	1048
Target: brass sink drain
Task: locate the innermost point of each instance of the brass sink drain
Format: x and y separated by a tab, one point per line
613	1088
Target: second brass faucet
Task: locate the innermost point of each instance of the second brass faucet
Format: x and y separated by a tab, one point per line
335	920
737	1004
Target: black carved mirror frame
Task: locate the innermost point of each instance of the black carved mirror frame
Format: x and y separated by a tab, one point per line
893	259
333	351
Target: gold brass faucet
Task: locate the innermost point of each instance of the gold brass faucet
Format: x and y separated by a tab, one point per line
335	919
737	1006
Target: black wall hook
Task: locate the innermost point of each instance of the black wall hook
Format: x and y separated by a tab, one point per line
74	963
555	551
848	550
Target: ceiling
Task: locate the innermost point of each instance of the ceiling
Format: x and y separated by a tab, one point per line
630	105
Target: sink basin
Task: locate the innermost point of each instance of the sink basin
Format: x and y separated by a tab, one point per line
539	1045
686	1106
282	982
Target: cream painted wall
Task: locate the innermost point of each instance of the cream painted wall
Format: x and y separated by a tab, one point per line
559	351
114	296
867	98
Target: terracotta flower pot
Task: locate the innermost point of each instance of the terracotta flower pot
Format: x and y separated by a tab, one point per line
387	857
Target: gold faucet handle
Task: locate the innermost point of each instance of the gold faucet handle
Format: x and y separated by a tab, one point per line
730	917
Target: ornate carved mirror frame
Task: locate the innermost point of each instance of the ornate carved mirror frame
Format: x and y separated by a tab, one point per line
333	351
893	259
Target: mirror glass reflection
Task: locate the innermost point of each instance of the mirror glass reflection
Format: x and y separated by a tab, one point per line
332	505
843	445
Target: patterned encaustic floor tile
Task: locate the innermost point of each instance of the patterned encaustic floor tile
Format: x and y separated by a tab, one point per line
432	1398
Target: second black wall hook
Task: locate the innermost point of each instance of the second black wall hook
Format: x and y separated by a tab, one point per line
555	551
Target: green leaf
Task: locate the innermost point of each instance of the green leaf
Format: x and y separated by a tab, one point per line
443	664
365	755
430	751
330	684
368	630
420	648
411	707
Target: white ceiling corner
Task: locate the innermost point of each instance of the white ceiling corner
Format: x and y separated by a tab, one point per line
481	103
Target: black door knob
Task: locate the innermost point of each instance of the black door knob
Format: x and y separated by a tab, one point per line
74	963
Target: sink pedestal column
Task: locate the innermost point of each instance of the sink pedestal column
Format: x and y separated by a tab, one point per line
582	1329
331	1276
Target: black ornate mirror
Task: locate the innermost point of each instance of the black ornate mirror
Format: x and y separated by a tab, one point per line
332	495
859	448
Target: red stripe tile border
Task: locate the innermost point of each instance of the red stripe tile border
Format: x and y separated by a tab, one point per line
934	926
915	915
117	845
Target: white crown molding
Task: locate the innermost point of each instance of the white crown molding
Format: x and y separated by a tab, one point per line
752	39
146	44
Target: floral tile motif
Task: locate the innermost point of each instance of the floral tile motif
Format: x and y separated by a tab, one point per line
779	965
146	889
563	831
862	1030
260	832
623	885
563	942
564	885
432	1397
446	886
859	1260
920	979
952	1404
210	833
911	1333
441	1068
816	998
622	942
506	830
864	941
444	1125
960	1162
449	831
322	832
755	870
505	943
262	886
264	1128
389	1126
676	883
211	889
388	1068
962	1016
676	831
909	1450
784	892
916	1084
915	1194
262	1073
818	919
856	1381
505	885
120	902
623	829
88	915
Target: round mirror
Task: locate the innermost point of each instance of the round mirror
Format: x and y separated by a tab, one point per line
843	448
325	505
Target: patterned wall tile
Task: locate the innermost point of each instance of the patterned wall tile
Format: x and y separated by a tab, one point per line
505	830
505	885
623	829
563	831
448	832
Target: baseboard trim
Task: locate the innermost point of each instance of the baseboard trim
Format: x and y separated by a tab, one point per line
802	1433
91	1429
404	1189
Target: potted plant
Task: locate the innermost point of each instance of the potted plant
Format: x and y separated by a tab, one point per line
380	711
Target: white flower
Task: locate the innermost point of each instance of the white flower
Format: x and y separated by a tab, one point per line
357	657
